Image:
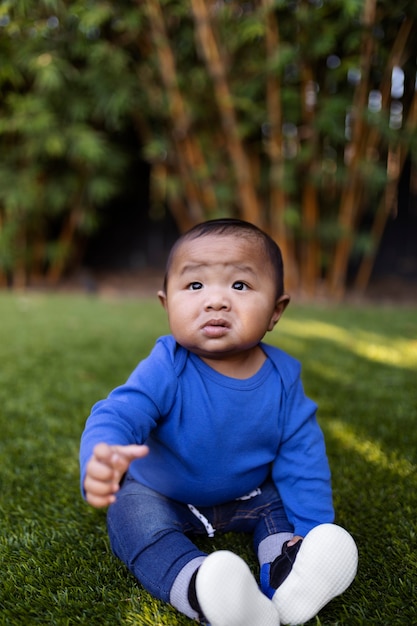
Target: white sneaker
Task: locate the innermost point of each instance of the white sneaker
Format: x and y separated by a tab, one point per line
325	566
229	595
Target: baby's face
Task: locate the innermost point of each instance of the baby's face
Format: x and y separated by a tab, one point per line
221	295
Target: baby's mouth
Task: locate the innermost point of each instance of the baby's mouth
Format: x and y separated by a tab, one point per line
217	322
215	327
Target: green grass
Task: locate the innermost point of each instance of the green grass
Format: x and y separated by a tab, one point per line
59	354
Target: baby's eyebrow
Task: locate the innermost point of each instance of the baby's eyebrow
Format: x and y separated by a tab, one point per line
191	267
244	268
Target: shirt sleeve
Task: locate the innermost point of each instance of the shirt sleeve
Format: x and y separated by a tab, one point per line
133	409
301	470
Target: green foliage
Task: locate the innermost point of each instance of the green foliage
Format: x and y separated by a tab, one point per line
59	162
60	354
78	76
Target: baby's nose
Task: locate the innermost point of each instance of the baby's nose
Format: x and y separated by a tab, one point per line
217	300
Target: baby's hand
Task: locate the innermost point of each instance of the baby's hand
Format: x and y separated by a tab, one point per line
105	470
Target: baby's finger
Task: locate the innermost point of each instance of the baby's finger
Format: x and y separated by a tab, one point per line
132	452
123	455
100	471
100	487
100	502
103	453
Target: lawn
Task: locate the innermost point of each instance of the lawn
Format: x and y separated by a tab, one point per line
59	354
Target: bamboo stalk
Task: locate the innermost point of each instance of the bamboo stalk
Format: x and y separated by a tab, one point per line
396	156
372	138
310	209
190	158
310	255
65	240
377	230
366	139
19	275
396	58
3	276
249	204
396	160
352	193
278	197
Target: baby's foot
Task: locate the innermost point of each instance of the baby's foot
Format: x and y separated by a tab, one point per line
273	574
325	565
228	594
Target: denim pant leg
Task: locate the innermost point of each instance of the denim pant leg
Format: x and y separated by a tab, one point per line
147	532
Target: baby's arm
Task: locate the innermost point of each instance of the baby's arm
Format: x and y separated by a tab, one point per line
105	469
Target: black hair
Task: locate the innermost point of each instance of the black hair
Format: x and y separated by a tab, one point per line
231	226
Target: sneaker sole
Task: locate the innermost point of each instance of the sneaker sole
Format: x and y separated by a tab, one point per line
325	566
229	594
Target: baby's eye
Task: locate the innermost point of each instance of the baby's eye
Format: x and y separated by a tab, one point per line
195	285
240	286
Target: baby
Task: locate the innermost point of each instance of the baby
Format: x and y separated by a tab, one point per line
213	433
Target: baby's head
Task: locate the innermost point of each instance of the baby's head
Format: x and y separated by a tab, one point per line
223	288
229	227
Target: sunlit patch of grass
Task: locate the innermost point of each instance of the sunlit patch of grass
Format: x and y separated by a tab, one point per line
314	328
371	345
370	450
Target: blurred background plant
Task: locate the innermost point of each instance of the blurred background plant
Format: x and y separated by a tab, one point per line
299	116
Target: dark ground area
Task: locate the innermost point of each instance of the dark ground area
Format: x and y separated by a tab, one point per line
146	283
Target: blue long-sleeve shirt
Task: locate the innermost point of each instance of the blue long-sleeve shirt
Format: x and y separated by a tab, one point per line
213	438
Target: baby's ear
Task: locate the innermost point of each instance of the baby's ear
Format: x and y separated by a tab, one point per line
280	306
162	296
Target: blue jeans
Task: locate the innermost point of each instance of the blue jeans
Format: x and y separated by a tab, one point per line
150	533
